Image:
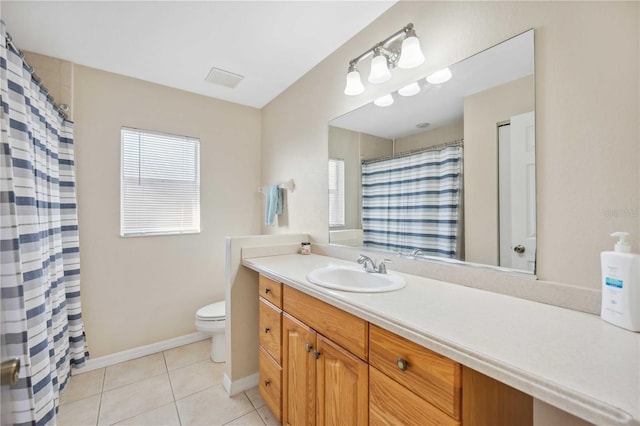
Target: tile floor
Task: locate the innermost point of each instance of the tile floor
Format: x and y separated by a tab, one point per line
180	386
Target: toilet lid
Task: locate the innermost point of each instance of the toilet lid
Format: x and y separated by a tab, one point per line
213	311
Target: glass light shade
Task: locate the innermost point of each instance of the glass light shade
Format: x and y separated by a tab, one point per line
440	77
409	89
384	101
411	54
354	85
379	69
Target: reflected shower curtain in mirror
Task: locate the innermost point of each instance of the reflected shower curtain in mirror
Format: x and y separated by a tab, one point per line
413	202
40	287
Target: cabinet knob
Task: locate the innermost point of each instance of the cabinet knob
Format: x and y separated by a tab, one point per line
267	382
308	347
267	290
402	364
316	354
519	249
267	329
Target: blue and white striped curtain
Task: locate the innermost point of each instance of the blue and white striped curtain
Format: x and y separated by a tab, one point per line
413	202
39	246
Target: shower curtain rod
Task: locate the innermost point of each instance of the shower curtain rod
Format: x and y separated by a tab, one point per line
459	142
62	108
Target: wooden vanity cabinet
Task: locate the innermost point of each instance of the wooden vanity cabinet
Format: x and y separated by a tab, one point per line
320	365
323	382
270	344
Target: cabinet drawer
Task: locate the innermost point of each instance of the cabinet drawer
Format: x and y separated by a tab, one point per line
433	377
270	331
392	404
271	384
270	290
345	329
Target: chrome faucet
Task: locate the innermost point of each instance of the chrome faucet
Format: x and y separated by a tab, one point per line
415	252
369	264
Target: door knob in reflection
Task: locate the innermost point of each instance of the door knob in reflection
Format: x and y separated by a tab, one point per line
9	372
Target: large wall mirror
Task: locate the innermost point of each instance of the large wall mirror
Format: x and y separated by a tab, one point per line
445	173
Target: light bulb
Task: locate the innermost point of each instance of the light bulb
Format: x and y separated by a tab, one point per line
440	77
384	101
354	85
379	69
409	89
411	55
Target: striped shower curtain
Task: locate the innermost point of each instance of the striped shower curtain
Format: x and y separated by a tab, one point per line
39	251
413	202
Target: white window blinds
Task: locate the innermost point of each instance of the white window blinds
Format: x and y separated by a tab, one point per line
160	183
336	192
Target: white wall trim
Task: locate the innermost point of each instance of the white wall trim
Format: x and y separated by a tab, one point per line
140	351
246	383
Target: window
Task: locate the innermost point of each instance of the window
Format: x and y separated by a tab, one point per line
336	193
160	184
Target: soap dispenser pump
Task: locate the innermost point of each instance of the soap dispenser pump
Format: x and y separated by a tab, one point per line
621	285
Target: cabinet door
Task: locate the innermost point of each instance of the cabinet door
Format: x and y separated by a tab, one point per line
299	373
342	386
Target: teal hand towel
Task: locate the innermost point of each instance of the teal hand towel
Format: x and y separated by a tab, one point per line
273	204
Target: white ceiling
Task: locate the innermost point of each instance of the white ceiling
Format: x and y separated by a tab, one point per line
176	43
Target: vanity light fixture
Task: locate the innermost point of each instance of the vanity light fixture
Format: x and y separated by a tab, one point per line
379	68
354	85
409	89
384	101
386	55
440	77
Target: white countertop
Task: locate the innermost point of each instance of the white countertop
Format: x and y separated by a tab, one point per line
568	359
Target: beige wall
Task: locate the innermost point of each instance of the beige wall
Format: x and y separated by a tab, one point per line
374	146
443	134
482	113
137	291
587	109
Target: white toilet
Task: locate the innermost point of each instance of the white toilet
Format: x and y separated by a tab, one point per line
211	319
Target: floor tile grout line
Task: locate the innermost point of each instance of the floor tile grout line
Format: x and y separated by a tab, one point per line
242	415
137	381
175	402
255	408
104	378
198	391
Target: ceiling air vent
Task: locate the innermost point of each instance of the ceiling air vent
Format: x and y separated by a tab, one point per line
223	78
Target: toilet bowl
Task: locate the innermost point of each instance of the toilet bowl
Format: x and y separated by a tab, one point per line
212	319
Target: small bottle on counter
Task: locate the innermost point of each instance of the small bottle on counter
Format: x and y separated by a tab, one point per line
305	248
621	285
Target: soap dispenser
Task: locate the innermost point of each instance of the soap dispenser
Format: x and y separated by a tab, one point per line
621	285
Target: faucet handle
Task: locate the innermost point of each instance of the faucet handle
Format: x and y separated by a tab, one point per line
382	267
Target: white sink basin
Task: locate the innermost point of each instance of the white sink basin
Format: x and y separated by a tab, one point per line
355	279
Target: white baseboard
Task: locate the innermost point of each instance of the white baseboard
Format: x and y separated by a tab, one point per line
241	385
140	351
